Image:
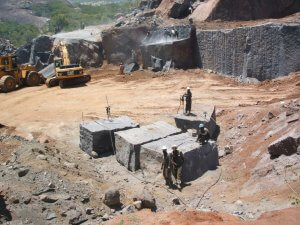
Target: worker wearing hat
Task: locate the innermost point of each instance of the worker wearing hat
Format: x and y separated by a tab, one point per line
203	134
166	167
177	161
188	101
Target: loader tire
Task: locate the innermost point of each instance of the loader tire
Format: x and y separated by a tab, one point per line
33	79
7	83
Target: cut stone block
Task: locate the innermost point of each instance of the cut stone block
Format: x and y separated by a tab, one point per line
198	158
205	114
128	143
98	136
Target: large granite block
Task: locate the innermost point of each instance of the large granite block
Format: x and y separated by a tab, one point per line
128	142
98	135
198	158
205	115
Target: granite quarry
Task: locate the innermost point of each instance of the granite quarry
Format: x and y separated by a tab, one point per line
64	159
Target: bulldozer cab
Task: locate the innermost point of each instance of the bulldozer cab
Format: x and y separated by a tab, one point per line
8	63
58	62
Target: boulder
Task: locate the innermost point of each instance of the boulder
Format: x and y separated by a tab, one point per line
244	10
112	197
156	64
23	172
286	145
129	68
180	9
119	42
147	199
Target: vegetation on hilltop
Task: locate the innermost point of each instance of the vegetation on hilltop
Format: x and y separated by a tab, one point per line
63	17
18	34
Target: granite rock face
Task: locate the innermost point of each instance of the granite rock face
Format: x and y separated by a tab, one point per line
80	51
98	136
177	47
149	4
263	52
197	158
128	143
119	42
244	10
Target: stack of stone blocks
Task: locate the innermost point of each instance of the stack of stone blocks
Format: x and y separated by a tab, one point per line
140	147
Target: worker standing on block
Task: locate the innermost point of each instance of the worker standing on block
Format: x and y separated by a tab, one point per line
177	161
166	167
122	68
203	134
188	101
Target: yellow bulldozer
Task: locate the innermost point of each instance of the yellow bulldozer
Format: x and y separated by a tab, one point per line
67	75
13	75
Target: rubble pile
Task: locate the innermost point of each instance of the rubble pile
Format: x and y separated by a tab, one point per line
6	47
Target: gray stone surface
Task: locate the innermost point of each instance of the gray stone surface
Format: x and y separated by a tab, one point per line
244	10
48	71
129	68
98	135
162	44
119	42
198	158
285	145
263	52
205	114
80	51
128	143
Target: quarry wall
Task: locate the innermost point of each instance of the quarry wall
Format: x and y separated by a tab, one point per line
263	52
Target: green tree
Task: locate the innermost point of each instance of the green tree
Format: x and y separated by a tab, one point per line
58	23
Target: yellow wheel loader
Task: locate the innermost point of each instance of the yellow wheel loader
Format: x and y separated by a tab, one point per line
13	75
67	75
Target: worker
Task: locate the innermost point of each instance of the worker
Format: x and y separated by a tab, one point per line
174	33
122	68
166	167
133	56
188	101
203	134
177	161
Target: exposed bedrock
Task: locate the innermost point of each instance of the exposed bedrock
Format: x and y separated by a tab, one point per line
149	4
197	158
244	10
119	42
41	50
263	52
128	143
79	51
174	44
37	51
